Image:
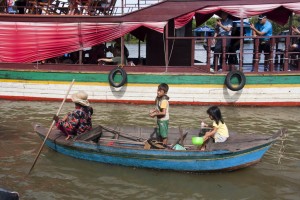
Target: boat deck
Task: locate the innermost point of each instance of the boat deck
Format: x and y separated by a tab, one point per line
92	68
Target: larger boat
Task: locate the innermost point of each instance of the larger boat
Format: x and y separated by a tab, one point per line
43	47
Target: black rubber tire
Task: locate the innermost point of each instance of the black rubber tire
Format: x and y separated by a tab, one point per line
112	75
240	76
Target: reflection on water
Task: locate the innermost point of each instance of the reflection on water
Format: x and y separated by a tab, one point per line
56	176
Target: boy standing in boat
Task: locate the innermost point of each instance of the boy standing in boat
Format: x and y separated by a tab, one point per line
161	111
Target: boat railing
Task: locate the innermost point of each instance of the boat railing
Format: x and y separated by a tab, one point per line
281	57
73	7
203	58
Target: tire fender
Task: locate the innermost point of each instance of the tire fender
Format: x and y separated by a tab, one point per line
235	74
112	75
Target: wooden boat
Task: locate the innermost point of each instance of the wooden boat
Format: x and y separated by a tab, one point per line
127	146
27	40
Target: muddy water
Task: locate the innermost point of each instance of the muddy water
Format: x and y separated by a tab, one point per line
56	176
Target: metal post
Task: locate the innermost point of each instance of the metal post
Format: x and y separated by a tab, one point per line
270	62
80	57
256	55
167	47
241	56
224	54
193	52
122	40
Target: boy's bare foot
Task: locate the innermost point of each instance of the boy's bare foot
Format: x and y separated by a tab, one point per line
68	137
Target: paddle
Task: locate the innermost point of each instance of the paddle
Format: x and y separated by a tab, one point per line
127	136
49	131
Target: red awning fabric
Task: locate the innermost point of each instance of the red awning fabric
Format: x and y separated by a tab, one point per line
183	20
25	42
276	12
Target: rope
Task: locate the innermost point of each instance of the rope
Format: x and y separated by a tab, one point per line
282	147
171	52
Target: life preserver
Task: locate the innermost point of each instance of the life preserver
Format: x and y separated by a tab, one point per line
112	75
241	78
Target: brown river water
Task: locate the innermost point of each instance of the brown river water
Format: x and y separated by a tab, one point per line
56	176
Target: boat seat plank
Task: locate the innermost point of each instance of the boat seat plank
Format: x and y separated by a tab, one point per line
94	134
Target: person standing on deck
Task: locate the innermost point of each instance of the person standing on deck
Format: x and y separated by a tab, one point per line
263	28
295	46
223	28
233	47
162	112
78	121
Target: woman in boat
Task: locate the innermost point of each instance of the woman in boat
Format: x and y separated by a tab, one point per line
219	131
78	121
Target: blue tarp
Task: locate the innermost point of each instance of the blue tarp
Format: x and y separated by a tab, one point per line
204	31
247	29
208	31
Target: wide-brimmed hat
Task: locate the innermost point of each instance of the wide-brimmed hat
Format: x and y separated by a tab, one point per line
80	98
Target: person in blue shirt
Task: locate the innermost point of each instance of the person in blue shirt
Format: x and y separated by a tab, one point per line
263	28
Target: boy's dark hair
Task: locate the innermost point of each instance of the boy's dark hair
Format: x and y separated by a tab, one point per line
215	113
164	87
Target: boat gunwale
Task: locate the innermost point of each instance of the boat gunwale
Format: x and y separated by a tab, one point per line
134	70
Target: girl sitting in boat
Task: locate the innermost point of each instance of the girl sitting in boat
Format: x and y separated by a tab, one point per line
78	121
219	131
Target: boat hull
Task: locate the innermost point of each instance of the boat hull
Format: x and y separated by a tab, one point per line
185	88
178	163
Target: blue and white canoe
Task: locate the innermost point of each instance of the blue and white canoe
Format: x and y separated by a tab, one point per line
126	146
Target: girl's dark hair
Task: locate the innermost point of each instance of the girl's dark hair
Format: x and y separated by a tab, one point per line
215	113
164	87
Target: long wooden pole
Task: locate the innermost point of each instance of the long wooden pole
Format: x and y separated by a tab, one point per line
49	131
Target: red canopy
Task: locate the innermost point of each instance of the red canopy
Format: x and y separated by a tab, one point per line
29	42
276	12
